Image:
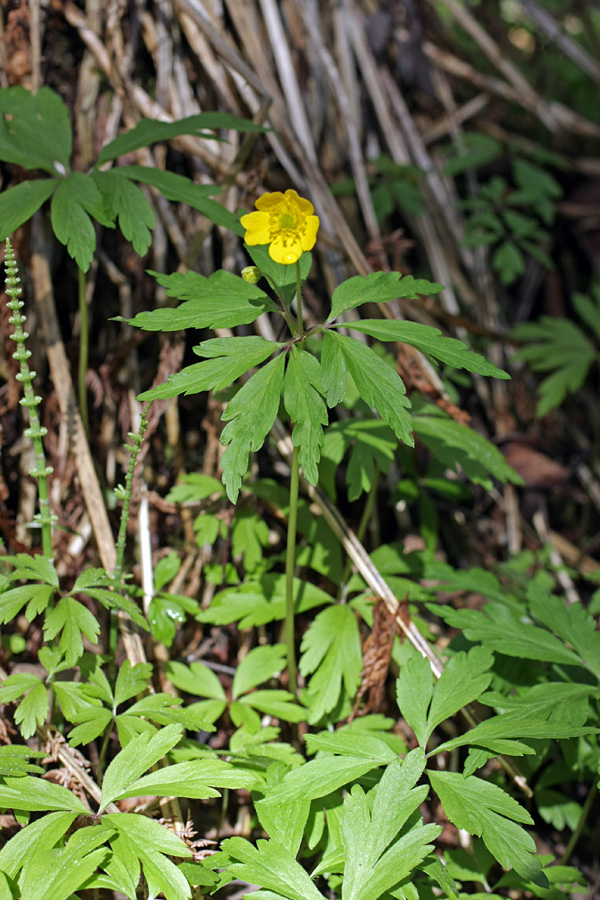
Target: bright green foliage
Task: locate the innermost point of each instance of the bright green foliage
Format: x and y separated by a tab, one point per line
431	342
302	396
501	629
463	680
259	602
250	416
484	809
166	611
271	865
379	287
23	116
110	197
331	654
149	131
222	300
140	841
257	667
372	446
225	300
85	703
379	851
453	445
379	384
563	348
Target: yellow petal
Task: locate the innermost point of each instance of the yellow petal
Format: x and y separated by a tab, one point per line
268	201
309	236
257	225
285	250
305	206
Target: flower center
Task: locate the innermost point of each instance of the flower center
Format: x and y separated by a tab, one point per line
286	220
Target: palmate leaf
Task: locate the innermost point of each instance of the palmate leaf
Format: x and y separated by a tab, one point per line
195	779
378	287
228	359
430	341
284	821
271	865
38	597
250	415
306	409
375	858
222	300
75	199
36	567
505	632
454	444
36	795
497	733
149	131
182	190
126	203
425	705
372	446
262	601
34	841
55	875
258	666
333	364
18	204
321	777
571	623
73	619
145	840
14	760
359	743
379	385
139	755
275	703
484	809
32	710
331	652
561	347
37	134
196	679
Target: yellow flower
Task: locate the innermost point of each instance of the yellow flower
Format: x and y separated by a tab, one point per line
286	222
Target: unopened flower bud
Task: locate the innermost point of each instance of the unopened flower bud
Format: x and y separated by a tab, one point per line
251	274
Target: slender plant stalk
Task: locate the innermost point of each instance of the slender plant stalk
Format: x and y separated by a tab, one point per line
84	340
299	297
290	557
35	431
124	494
290	560
585	812
290	321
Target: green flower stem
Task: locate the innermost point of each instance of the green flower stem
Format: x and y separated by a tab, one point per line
290	560
299	296
291	322
35	431
84	336
585	812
